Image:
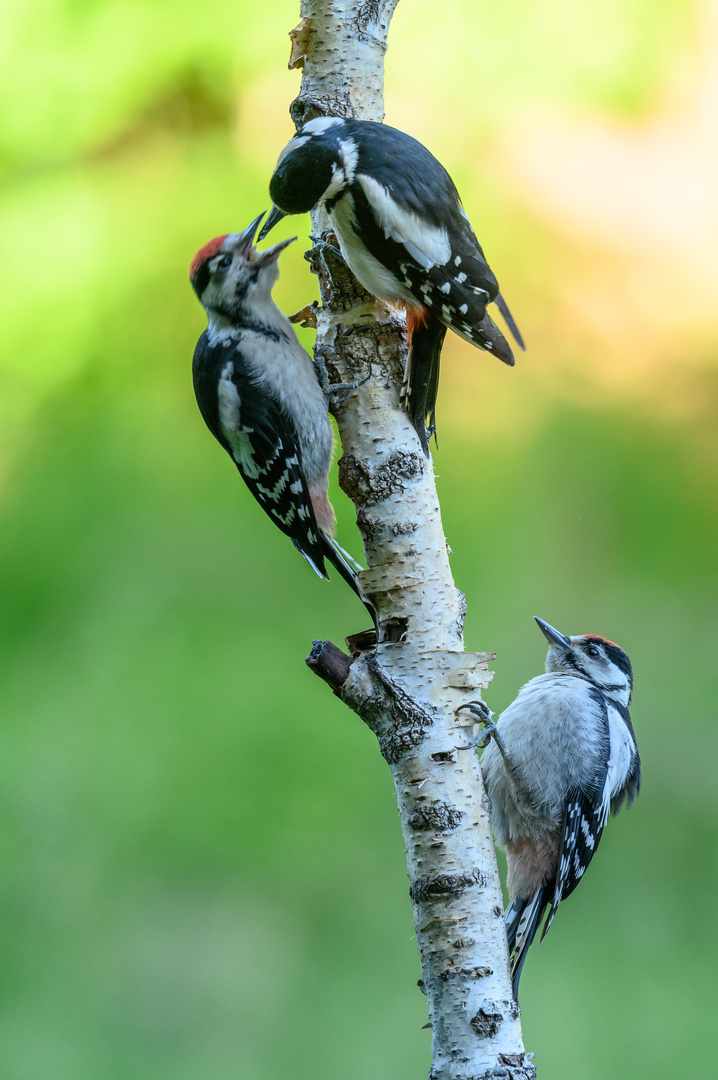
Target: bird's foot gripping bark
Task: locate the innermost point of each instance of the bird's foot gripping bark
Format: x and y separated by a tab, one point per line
483	716
325	248
335	393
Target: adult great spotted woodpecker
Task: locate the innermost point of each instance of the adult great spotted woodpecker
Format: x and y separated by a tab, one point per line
258	393
404	235
561	757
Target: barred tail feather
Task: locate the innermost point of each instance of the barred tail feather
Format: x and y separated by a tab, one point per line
523	919
345	554
488	336
315	558
421	379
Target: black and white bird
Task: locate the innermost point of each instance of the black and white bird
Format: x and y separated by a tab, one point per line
561	757
403	233
258	392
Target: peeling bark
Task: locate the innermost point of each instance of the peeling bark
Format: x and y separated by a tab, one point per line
408	690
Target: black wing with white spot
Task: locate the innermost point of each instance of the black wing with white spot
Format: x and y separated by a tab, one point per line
409	188
411	174
464	279
584	815
582	828
458	304
258	435
455	289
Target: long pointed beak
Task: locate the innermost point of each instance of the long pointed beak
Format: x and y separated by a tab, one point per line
263	258
245	239
552	635
275	215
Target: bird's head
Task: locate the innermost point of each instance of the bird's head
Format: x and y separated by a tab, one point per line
230	276
317	164
600	661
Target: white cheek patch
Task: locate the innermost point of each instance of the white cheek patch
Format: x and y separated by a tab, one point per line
426	243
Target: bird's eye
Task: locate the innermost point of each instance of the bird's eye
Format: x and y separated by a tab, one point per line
592	650
224	262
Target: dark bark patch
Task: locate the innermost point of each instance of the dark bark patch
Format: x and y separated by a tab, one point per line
399	722
487	1021
466	973
394	629
374	530
368	486
400	741
436	817
510	1067
445	885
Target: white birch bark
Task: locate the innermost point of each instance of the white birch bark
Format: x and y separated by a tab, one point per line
408	690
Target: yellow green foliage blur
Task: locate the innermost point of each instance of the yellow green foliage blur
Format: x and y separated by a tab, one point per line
203	875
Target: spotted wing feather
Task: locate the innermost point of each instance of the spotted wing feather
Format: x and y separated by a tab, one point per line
583	822
262	442
456	292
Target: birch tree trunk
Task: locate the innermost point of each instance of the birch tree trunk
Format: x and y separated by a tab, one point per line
408	689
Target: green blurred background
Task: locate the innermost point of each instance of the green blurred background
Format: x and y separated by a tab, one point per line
202	870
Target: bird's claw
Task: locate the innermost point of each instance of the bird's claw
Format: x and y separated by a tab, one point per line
480	709
335	393
339	392
483	716
323	245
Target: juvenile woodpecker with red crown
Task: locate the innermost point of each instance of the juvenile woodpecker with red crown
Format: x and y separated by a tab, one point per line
258	392
403	233
561	757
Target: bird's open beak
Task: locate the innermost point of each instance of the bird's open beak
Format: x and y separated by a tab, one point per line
275	215
263	258
245	239
244	244
552	635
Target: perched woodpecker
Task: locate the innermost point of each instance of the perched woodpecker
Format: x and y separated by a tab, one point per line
404	235
258	392
560	759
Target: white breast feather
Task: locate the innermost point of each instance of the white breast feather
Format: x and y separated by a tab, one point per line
375	277
426	243
549	711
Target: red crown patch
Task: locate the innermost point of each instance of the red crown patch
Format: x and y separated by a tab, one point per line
205	253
